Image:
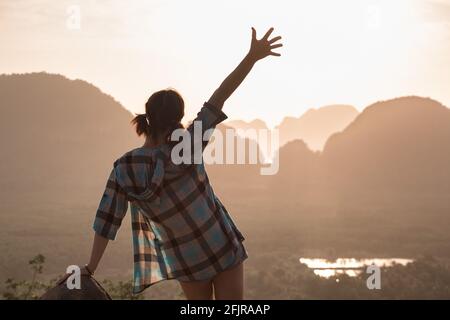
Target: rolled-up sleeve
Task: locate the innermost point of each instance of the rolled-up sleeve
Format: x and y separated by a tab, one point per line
208	118
112	209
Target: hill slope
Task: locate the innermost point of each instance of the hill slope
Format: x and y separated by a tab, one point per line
60	134
394	148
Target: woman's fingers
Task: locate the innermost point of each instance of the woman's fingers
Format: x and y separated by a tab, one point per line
263	47
274	39
253	34
276	46
268	33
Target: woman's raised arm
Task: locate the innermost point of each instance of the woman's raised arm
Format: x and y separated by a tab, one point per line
259	49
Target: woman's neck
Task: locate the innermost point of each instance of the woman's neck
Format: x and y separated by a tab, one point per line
151	143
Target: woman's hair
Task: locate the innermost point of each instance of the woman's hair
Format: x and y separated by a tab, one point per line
163	113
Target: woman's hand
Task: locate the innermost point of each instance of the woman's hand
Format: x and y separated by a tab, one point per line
258	50
261	49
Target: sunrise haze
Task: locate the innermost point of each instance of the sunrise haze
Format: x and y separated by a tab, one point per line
349	52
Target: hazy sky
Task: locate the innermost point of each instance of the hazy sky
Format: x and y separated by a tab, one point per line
348	51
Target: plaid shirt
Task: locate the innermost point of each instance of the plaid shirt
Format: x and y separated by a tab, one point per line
181	230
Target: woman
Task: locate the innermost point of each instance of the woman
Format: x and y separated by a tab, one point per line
180	228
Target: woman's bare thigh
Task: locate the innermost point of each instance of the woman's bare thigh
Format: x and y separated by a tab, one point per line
229	284
197	290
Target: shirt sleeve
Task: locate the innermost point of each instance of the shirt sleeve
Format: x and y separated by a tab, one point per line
208	118
112	209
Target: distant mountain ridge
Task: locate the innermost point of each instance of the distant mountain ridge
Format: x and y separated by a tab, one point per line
314	127
63	135
396	146
395	153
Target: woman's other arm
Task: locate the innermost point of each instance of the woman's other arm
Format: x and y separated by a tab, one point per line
98	248
111	211
259	49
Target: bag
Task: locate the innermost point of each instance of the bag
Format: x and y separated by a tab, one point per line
90	289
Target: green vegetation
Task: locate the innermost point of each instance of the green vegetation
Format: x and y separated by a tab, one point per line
33	289
28	289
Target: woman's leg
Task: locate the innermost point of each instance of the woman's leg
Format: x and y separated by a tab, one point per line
197	290
229	284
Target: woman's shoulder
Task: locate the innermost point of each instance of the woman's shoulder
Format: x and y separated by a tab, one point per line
135	154
142	155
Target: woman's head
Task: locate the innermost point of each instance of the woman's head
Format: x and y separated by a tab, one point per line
163	113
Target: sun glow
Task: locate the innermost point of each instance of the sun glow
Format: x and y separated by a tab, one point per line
350	51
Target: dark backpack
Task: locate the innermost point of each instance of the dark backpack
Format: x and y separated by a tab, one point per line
90	290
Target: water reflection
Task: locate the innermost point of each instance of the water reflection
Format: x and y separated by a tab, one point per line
349	266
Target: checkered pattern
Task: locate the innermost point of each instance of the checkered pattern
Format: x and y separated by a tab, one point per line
181	230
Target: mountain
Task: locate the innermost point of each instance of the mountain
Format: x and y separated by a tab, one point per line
316	125
61	136
395	152
298	169
228	173
58	135
255	130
